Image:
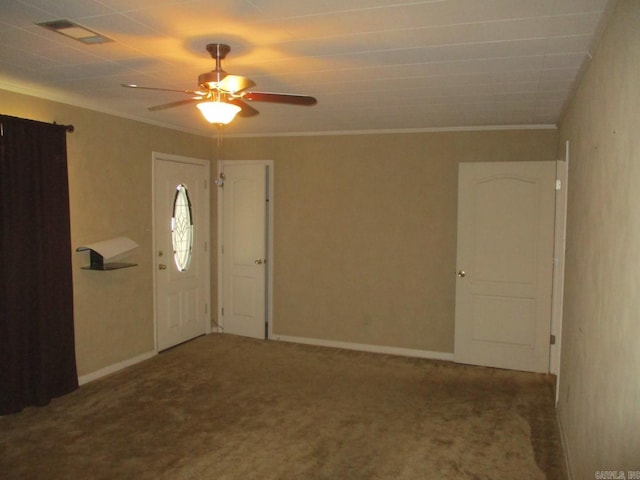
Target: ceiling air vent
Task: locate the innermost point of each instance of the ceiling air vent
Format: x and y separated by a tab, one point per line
73	30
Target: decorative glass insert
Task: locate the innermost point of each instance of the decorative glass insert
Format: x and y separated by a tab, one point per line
182	228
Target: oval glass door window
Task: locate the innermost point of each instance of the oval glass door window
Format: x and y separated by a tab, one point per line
182	228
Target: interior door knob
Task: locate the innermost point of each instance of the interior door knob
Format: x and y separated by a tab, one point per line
259	261
462	273
162	266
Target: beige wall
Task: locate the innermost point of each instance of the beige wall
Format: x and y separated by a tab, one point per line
599	409
365	230
109	162
365	227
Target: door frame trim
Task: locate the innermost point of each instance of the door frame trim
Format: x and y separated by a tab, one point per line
555	354
159	156
269	239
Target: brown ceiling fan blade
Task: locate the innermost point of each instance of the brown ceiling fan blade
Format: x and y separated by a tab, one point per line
288	98
246	109
174	104
140	87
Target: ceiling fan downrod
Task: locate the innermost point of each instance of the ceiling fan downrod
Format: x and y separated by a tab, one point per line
218	52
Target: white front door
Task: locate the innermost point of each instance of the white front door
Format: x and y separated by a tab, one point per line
505	264
181	258
244	248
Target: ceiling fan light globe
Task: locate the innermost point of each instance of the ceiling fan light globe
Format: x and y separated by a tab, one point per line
218	112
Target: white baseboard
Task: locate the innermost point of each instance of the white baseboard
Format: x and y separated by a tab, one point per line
114	368
565	446
363	347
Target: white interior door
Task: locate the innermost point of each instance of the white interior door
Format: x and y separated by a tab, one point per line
244	248
505	264
181	258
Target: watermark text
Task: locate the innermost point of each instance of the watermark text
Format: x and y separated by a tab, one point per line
617	475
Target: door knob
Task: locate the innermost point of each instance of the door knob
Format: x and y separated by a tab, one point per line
259	261
162	267
462	273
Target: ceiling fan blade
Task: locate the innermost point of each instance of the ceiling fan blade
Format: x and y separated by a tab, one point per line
280	98
191	92
235	84
221	81
174	104
246	109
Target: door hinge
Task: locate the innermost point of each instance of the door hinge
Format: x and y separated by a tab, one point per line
558	184
206	308
206	184
222	311
552	340
206	247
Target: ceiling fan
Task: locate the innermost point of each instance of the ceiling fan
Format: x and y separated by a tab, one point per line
221	96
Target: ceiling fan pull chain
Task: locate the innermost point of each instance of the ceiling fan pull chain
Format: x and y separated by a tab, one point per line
219	149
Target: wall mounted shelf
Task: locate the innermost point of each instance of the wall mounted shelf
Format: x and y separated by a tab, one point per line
108	250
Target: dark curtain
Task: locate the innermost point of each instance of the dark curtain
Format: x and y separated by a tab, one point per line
37	348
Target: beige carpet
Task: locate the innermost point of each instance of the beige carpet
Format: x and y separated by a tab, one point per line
224	407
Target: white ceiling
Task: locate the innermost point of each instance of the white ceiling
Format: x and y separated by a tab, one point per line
372	64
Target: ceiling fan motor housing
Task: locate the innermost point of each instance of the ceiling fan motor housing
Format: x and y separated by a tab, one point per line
210	80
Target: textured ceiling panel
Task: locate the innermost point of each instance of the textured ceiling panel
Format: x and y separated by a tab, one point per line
372	64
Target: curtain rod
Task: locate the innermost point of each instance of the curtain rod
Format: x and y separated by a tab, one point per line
69	128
